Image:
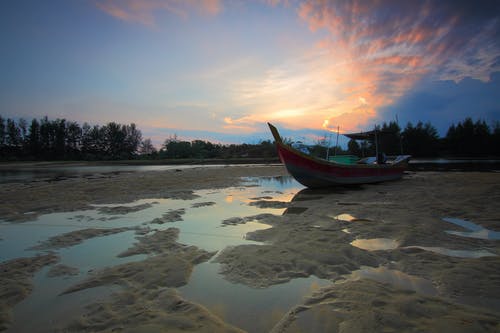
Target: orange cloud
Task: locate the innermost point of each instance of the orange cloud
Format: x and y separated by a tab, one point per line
142	11
386	47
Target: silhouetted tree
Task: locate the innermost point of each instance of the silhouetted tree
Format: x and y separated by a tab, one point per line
59	128
468	138
113	138
174	148
495	139
46	138
34	139
2	132
353	147
389	138
13	137
133	138
23	130
73	140
60	139
421	140
147	148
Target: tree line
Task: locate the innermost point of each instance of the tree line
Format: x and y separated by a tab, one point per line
59	139
465	139
174	148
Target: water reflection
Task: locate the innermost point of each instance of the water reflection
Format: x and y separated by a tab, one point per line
345	217
201	225
54	173
474	230
375	244
396	279
254	310
454	253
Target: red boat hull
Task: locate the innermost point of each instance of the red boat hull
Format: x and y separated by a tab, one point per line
313	172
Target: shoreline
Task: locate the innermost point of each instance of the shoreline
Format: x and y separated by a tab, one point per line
415	164
15	165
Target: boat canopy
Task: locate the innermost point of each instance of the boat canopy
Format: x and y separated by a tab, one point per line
370	135
361	136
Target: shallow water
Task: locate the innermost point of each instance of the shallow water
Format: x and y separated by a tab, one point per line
396	279
473	230
54	173
383	244
375	244
255	310
455	253
345	217
200	223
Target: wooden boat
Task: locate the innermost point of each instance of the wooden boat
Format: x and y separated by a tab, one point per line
314	172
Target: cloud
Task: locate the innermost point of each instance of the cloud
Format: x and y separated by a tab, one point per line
446	102
364	56
455	39
303	92
143	11
389	46
275	3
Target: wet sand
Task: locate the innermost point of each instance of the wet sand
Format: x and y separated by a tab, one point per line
407	213
75	237
16	282
147	301
26	201
149	283
312	237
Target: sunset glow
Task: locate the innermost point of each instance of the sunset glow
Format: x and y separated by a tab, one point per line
220	70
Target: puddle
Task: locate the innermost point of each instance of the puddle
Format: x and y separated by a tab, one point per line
345	217
396	279
327	317
349	218
201	225
254	310
375	244
30	315
454	253
474	230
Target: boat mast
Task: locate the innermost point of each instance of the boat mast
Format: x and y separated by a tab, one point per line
400	136
337	142
328	145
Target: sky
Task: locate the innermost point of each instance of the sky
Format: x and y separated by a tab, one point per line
219	70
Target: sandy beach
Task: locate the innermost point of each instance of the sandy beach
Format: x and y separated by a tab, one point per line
420	254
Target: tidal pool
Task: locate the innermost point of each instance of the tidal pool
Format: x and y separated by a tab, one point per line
375	244
395	278
345	217
198	217
454	253
473	230
381	244
252	309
